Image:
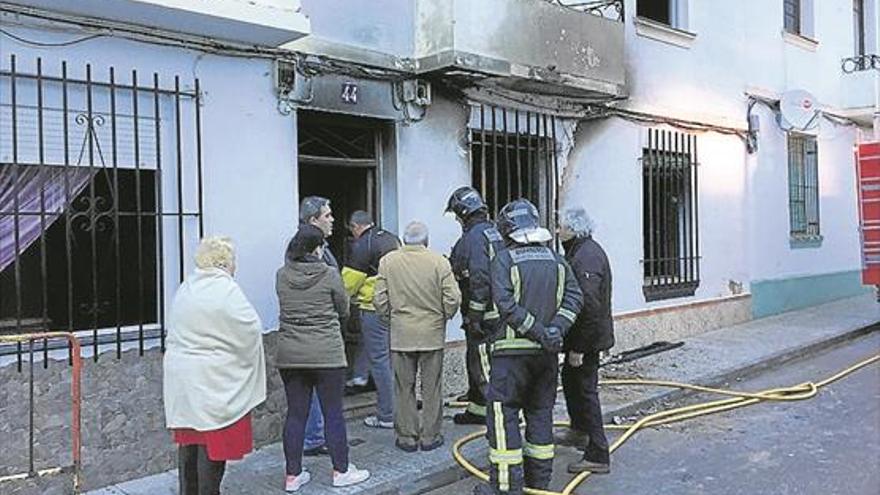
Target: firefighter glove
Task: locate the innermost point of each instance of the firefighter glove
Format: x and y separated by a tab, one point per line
551	340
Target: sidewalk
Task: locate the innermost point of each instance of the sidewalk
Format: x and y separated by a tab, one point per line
707	359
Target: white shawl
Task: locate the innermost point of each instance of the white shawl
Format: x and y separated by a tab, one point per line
214	366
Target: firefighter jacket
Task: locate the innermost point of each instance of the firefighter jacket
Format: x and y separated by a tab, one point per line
470	260
533	288
359	273
593	330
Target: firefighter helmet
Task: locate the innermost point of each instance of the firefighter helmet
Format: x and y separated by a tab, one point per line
464	201
519	221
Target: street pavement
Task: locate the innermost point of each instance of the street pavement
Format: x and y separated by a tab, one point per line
826	445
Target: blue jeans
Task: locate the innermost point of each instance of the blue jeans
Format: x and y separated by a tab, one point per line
378	346
314	425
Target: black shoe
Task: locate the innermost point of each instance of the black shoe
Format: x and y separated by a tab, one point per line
406	448
436	444
569	437
591	466
484	489
315	452
468	418
462	398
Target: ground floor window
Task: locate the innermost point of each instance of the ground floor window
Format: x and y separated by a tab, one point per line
513	155
670	228
803	186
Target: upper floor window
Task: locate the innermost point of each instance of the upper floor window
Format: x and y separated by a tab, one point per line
859	26
673	13
791	16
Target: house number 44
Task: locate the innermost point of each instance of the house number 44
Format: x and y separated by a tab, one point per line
350	93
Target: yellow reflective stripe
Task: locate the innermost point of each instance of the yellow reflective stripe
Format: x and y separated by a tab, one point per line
509	334
542	452
501	445
491	252
516	283
526	324
491	315
476	306
568	315
484	365
498	456
514	343
476	409
560	284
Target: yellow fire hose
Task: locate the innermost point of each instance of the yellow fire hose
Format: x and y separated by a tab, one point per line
802	391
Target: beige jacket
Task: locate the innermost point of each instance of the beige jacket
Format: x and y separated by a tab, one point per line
416	291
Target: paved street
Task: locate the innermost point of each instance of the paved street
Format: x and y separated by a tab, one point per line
827	445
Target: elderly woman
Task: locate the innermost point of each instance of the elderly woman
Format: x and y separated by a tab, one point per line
214	369
311	354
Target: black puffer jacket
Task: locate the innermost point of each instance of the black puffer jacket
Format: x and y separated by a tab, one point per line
594	328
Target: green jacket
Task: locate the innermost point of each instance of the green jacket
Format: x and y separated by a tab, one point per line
312	301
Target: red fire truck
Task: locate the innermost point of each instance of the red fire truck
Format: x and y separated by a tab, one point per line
868	187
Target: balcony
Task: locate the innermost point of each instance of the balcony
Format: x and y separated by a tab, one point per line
857	86
254	22
534	46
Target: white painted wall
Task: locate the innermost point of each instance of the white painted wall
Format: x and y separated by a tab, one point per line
249	149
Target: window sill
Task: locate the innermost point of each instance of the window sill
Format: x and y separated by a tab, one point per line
663	33
800	41
805	241
656	292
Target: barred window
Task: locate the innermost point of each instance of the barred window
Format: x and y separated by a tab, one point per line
513	155
670	226
803	186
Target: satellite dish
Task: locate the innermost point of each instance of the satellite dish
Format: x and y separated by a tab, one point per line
798	110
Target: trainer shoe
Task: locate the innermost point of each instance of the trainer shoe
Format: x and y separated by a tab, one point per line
292	483
374	422
351	477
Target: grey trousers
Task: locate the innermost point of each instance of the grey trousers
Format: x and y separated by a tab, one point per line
406	419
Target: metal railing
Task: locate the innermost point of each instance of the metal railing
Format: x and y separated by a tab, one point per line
75	397
607	9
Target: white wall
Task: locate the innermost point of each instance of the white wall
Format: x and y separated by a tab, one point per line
249	149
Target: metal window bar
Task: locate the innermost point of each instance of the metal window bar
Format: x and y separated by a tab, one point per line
670	215
803	187
513	154
792	16
71	275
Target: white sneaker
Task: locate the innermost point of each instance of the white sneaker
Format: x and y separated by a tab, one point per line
351	477
294	483
356	382
374	422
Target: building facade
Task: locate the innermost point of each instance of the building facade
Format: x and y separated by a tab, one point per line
129	129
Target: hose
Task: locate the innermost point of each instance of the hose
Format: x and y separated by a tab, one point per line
736	400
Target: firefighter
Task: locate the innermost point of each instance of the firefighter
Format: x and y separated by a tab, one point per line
471	255
538	299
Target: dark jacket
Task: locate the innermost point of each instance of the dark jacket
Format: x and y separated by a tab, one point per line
533	288
312	300
594	328
359	273
471	257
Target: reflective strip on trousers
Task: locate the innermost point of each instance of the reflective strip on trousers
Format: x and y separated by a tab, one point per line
540	452
501	445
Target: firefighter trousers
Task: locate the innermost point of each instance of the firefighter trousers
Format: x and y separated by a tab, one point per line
521	383
477	363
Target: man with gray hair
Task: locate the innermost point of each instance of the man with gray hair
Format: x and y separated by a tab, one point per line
417	291
592	332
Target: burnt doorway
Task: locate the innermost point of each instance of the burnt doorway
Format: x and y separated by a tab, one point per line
339	159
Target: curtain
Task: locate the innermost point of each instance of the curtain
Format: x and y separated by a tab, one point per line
38	189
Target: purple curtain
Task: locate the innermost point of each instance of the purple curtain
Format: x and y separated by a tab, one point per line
38	188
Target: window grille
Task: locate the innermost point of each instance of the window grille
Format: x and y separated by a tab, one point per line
100	188
859	26
513	155
670	215
803	186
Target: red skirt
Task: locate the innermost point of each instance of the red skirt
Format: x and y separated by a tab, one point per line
226	444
